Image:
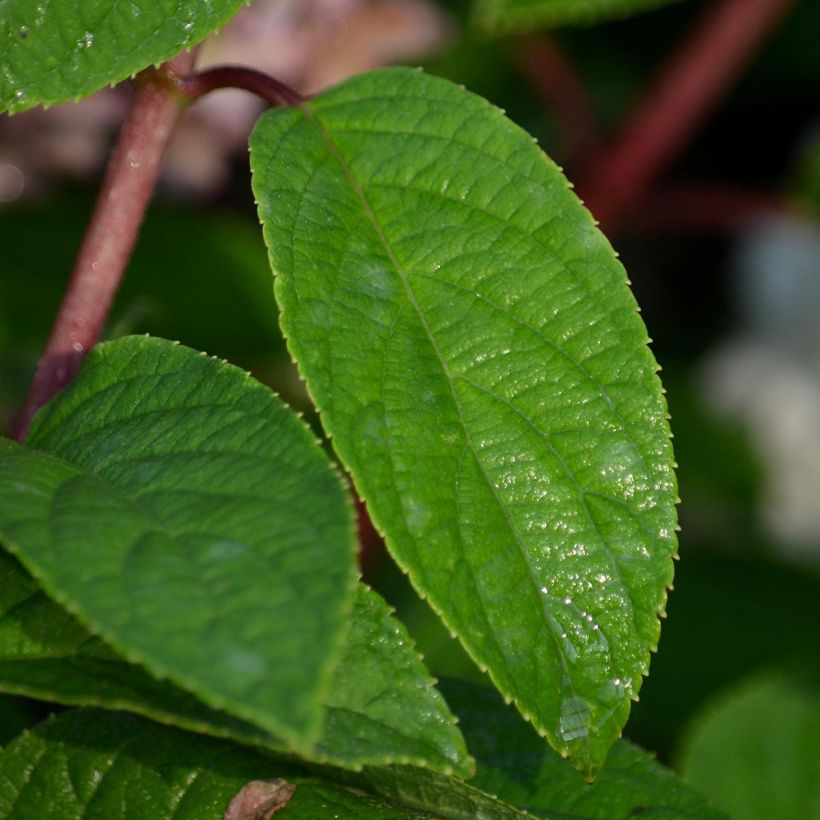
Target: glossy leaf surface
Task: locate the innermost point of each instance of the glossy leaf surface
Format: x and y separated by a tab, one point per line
756	751
51	51
186	516
381	706
93	765
516	765
503	16
475	352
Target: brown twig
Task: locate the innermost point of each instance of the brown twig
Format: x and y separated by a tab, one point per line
267	88
109	239
553	78
688	88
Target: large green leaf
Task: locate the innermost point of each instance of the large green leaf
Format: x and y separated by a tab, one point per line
516	765
185	515
381	706
502	16
477	357
52	51
94	765
756	752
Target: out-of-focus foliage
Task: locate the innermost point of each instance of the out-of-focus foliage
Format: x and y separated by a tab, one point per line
502	16
754	750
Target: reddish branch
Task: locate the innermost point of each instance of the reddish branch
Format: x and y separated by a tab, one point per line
109	239
711	209
127	188
554	80
229	76
688	88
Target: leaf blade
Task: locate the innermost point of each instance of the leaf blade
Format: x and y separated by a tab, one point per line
430	358
381	706
52	53
87	763
179	512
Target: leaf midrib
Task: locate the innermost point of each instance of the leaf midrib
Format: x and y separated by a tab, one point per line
371	217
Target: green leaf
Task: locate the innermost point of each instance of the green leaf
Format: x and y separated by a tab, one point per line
504	16
756	751
94	765
51	52
186	516
428	793
46	653
516	765
381	706
477	357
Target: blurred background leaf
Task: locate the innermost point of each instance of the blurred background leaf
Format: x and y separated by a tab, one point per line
753	750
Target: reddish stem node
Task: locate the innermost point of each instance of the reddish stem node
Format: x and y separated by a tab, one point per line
272	91
688	88
109	239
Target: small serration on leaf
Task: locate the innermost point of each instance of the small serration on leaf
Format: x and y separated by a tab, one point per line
477	357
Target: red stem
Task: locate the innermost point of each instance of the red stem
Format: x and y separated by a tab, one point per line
711	209
270	90
688	88
118	214
555	81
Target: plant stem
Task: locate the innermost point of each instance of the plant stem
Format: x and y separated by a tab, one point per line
710	209
272	91
688	88
109	239
553	78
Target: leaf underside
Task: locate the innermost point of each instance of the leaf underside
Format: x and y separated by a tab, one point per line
52	51
381	706
504	16
476	355
186	516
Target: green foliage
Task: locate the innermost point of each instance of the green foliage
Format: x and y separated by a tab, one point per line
51	52
181	549
471	343
93	765
503	16
516	767
755	751
767	612
381	706
172	497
